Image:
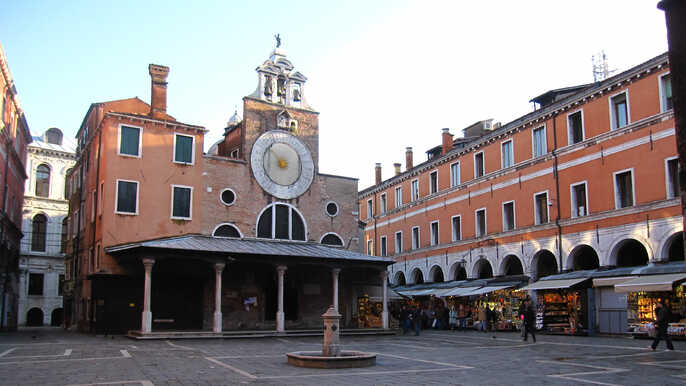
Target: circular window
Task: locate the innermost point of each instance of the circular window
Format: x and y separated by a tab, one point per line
332	209
228	197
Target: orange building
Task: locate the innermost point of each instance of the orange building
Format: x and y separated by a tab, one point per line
250	235
14	137
586	181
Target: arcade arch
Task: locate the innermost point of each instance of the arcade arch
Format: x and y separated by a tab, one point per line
583	257
544	263
436	274
511	266
417	276
483	269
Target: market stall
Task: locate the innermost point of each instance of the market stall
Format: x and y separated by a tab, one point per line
644	292
504	300
562	305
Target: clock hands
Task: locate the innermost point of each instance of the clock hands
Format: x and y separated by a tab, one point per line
280	161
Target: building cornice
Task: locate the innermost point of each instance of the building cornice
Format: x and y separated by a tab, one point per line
533	119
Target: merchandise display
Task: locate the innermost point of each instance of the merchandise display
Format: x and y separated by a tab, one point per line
562	311
641	311
505	303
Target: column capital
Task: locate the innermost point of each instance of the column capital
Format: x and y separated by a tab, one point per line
218	267
336	270
384	275
148	262
281	268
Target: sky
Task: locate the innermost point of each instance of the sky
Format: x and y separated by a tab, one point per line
384	75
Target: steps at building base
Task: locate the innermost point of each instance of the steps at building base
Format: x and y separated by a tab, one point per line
172	335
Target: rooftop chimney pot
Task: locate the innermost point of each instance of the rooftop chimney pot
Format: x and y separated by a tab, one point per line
447	141
377	172
408	158
397	168
158	93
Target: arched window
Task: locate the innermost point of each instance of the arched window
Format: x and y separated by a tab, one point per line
54	136
42	180
226	230
332	239
40	224
281	221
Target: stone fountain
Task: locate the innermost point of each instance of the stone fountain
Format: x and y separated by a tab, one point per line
331	356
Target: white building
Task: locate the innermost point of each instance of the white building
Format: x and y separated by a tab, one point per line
44	215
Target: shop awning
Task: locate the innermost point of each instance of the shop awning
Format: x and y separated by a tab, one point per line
611	281
459	291
651	283
419	292
554	284
487	289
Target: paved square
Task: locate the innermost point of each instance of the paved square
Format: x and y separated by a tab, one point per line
53	357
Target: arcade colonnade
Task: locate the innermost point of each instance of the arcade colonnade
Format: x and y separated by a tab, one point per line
146	317
654	243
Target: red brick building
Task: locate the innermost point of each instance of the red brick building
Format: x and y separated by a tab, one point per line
14	136
586	181
250	235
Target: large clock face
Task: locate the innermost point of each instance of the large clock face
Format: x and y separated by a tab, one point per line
282	165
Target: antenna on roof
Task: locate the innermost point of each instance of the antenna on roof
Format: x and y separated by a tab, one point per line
601	70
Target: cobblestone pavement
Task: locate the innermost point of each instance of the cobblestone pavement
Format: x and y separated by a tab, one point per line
53	357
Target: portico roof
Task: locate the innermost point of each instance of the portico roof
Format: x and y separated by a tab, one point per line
237	247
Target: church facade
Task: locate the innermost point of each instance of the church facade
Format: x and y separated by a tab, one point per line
249	235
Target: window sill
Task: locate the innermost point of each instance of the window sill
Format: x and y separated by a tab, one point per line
129	155
127	213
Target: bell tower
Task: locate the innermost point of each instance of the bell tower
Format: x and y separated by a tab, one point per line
279	83
279	103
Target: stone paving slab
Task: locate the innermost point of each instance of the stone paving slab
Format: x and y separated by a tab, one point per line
54	357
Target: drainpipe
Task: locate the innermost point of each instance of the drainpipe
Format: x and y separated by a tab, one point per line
557	193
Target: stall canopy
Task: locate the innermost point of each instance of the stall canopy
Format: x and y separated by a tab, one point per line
554	284
459	291
419	292
651	283
487	289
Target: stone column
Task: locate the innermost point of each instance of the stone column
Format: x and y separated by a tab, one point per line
335	272
280	315
218	269
146	322
384	286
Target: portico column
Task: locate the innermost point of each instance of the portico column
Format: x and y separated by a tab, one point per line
218	269
280	316
384	286
146	322
334	273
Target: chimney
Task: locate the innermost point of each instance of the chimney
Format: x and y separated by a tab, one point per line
397	168
158	93
447	141
408	158
377	170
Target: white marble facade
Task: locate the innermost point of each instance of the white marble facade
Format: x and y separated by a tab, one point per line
42	255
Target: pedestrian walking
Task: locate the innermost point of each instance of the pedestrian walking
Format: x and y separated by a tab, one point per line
417	320
664	316
529	320
405	319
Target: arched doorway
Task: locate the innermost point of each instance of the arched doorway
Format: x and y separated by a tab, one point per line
512	266
631	253
583	257
675	251
417	276
436	274
483	269
34	317
545	264
57	317
399	278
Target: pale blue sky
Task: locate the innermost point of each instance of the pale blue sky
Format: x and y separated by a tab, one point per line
380	72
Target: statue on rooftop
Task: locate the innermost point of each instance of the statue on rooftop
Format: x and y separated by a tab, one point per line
278	40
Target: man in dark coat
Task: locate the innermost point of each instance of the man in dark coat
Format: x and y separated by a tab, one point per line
529	320
664	316
405	319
